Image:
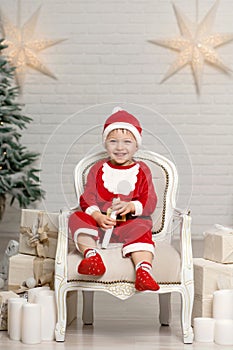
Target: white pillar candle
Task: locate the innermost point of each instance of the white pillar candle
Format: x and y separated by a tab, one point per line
48	313
223	304
224	332
10	300
15	317
204	329
33	291
31	323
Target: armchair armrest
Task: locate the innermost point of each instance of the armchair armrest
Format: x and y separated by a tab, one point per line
60	280
187	279
62	244
185	243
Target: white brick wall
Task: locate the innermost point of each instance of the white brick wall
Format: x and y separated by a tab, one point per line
106	60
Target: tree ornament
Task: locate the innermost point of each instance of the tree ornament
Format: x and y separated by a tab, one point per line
30	282
196	45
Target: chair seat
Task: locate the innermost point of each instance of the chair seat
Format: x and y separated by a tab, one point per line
166	266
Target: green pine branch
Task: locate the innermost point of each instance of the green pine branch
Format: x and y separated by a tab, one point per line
19	179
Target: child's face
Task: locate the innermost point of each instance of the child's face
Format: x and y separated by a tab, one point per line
121	146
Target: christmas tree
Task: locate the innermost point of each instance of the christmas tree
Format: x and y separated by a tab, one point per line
18	179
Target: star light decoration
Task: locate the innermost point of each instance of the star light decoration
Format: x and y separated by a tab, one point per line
22	48
196	45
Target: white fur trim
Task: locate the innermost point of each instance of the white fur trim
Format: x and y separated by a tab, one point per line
138	208
88	231
92	209
122	125
135	247
120	181
91	252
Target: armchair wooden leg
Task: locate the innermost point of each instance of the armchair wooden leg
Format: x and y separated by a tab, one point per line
88	300
165	309
60	329
186	313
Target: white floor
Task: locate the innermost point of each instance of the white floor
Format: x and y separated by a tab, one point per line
131	324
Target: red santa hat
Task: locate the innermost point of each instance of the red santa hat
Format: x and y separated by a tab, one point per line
121	119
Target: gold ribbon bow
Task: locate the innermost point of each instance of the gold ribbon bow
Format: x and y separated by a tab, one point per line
36	241
40	276
38	236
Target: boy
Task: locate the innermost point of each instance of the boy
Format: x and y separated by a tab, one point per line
122	185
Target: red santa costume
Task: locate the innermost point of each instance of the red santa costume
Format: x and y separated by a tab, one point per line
130	183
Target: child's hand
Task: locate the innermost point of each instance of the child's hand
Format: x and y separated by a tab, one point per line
123	208
103	221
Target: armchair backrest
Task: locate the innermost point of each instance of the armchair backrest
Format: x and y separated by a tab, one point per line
165	180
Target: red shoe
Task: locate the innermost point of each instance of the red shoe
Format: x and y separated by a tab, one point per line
92	265
144	281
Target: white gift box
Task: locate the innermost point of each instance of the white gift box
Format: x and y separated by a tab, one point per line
4	297
210	276
72	306
38	233
218	244
202	306
22	266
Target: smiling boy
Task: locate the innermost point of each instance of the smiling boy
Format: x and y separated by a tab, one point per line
124	185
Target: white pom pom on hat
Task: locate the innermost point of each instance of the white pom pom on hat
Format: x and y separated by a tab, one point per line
116	109
120	119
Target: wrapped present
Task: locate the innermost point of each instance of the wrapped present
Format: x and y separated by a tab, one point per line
4	296
72	306
210	276
38	233
22	267
218	244
202	306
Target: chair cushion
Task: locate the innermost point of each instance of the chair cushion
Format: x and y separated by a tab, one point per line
166	266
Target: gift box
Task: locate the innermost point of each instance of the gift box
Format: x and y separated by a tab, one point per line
4	296
22	267
202	306
210	276
38	233
218	244
72	306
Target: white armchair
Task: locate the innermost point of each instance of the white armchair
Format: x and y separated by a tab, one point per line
120	275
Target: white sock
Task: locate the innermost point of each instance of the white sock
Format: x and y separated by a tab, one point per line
90	252
144	265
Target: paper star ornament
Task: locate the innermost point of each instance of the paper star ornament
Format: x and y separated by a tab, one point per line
23	49
195	45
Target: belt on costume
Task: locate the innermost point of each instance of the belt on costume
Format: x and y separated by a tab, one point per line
130	217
